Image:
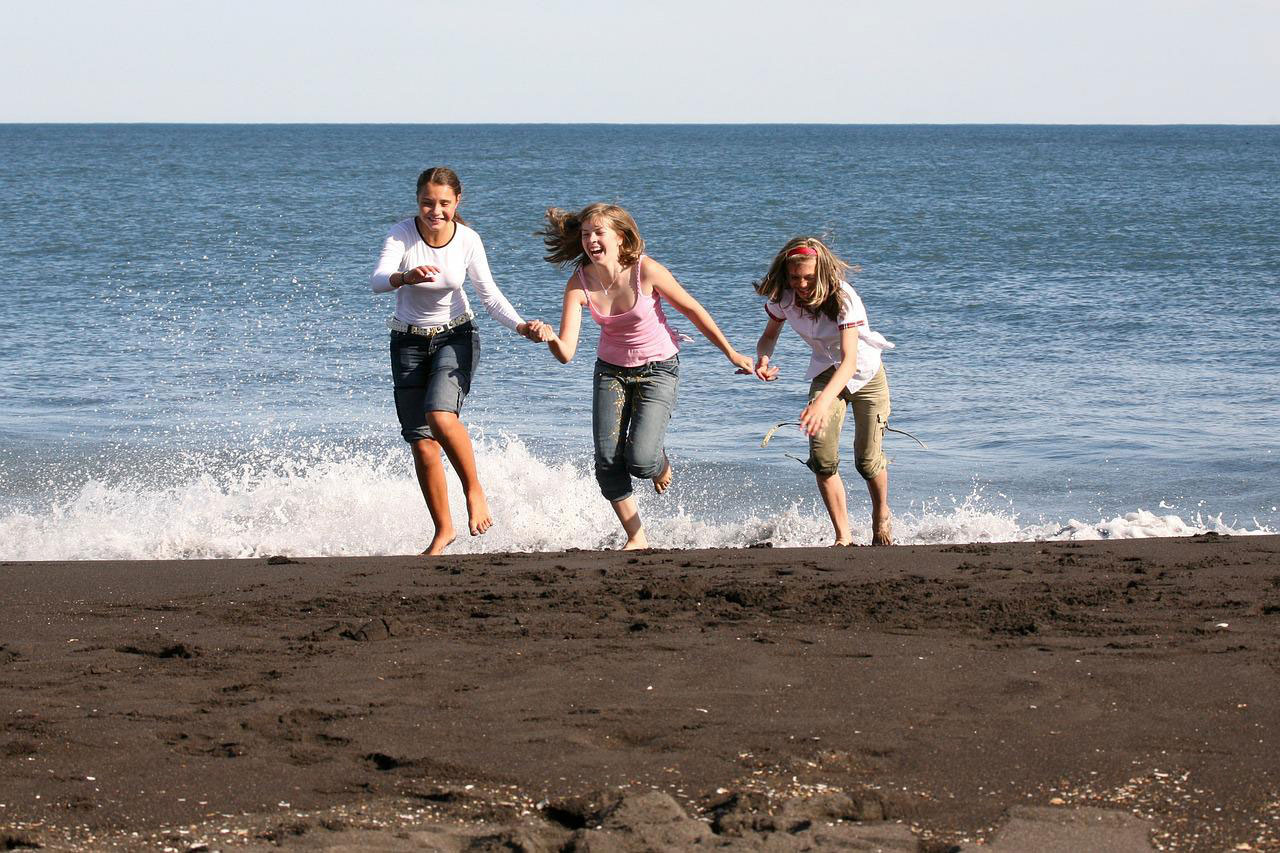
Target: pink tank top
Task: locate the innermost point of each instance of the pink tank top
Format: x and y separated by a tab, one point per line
637	336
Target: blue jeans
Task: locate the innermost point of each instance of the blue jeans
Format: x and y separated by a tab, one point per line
630	409
432	375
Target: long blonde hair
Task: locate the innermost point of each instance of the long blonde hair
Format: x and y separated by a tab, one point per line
563	234
826	298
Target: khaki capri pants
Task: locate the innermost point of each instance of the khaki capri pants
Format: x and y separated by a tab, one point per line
870	417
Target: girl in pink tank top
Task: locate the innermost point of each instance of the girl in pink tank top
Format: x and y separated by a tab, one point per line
635	336
638	362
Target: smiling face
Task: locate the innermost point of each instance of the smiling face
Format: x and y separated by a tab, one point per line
601	243
437	205
802	277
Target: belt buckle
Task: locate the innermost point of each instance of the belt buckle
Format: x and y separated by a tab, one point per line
432	331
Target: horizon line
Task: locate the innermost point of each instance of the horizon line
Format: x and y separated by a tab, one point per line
153	123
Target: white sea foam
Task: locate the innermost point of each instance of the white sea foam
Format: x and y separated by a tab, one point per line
351	502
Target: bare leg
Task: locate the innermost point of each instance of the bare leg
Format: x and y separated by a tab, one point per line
662	482
430	470
881	528
629	515
831	487
452	435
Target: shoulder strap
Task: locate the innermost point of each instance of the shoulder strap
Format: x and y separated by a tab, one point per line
582	283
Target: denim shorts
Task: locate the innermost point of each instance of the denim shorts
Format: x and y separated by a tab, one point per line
432	375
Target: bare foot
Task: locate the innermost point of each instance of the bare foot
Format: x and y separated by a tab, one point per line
662	482
842	543
443	539
639	542
478	518
882	531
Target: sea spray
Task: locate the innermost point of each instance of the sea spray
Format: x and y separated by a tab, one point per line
317	499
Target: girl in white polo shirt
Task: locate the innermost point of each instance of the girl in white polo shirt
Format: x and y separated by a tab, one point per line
805	287
435	346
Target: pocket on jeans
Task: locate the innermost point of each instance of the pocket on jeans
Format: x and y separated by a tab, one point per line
670	366
404	363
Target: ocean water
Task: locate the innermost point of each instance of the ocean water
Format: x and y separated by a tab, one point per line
1087	323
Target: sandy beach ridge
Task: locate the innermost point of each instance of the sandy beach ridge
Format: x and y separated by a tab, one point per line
929	697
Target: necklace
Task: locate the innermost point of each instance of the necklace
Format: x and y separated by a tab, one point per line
605	287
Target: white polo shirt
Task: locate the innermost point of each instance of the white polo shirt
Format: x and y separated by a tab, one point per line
822	334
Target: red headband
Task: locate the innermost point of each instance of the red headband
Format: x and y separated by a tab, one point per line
802	250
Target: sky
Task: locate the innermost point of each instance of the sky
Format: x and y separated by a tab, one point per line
411	61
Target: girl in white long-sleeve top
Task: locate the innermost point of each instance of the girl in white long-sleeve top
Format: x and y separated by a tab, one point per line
435	347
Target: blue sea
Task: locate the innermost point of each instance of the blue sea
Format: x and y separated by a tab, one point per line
1087	323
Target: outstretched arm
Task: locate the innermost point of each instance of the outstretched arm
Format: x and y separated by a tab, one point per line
665	283
495	303
564	345
814	416
764	350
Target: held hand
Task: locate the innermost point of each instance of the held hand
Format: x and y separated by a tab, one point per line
814	416
740	361
764	371
421	274
537	331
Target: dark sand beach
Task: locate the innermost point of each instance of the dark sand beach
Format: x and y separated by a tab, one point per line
909	698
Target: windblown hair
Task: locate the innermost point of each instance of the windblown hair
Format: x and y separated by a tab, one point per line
563	234
826	298
442	176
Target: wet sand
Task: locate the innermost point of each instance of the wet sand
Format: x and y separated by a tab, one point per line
748	699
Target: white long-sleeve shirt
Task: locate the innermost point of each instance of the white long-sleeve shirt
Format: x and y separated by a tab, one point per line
437	302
